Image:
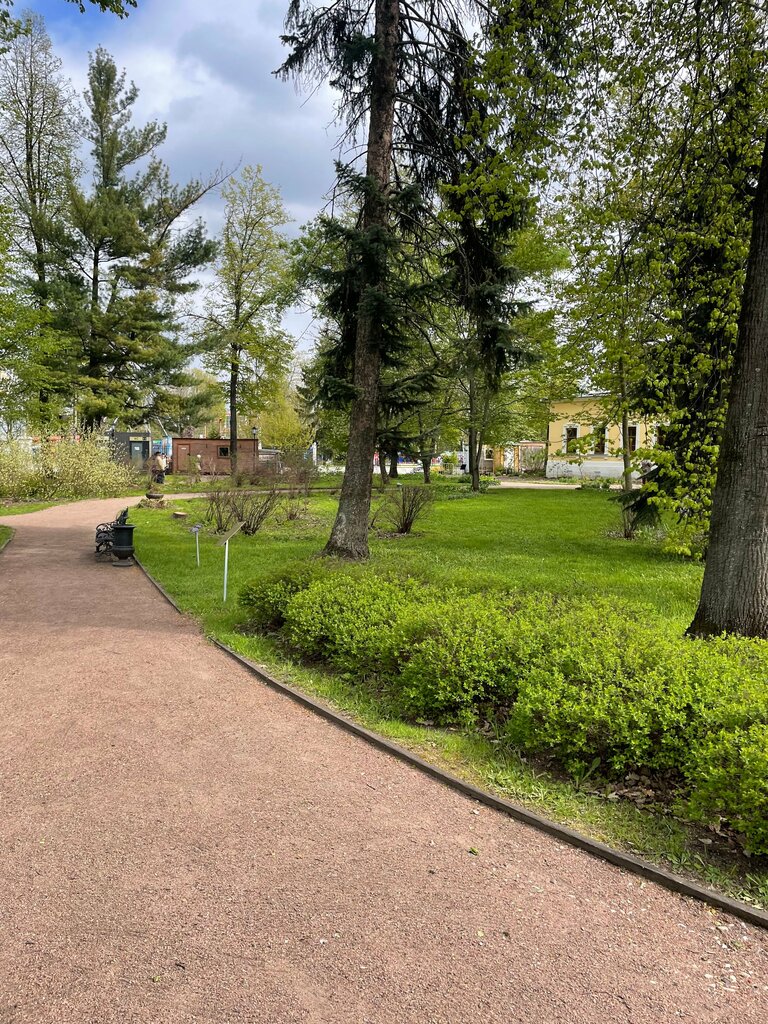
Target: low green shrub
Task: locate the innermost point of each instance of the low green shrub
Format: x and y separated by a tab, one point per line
581	681
727	769
604	685
470	658
266	598
362	625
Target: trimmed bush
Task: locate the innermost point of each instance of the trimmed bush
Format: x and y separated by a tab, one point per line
604	685
362	625
266	598
727	769
470	658
577	680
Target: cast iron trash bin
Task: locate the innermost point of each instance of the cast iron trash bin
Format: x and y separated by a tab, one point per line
122	544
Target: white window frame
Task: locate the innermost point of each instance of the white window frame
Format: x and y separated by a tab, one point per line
566	428
605	441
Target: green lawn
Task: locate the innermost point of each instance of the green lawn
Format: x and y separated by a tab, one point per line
532	540
5	535
182	483
19	508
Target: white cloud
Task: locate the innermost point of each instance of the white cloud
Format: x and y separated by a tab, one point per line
206	70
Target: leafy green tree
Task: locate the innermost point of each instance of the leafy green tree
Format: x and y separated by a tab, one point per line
282	426
240	329
11	28
700	242
191	407
26	348
38	142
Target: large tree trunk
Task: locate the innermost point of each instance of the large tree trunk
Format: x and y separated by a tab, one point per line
426	466
234	368
393	470
734	593
626	453
349	537
383	467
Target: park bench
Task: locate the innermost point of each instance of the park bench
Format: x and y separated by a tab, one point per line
105	533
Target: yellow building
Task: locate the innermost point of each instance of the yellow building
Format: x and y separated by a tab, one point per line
584	441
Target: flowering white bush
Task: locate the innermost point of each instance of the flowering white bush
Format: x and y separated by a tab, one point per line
82	467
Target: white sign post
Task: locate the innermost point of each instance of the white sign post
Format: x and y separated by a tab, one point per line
196	530
225	542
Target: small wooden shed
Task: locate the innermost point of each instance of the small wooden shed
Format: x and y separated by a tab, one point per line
214	454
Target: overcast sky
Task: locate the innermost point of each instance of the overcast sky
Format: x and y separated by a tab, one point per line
205	68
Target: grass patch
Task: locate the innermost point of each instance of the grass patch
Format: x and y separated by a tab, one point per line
181	483
527	540
19	508
5	535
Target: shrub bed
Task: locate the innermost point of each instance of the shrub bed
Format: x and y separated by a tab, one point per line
578	680
62	469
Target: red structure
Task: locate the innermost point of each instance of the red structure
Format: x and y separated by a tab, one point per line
214	454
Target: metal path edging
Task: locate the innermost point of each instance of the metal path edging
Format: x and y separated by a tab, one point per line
635	865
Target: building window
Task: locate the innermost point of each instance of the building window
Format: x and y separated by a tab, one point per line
633	438
571	433
489	453
599	434
223	451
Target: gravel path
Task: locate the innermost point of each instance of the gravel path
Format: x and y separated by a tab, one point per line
180	844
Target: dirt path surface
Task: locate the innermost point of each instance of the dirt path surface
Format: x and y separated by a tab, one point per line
180	844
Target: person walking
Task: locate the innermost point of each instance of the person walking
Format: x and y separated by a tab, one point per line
158	468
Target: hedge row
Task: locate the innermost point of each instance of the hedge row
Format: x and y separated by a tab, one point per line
574	679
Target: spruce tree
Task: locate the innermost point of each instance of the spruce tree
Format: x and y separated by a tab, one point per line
121	259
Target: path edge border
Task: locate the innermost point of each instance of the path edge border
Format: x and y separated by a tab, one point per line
626	861
4	543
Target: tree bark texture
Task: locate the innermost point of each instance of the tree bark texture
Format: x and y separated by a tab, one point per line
233	381
383	467
734	592
349	537
394	473
626	453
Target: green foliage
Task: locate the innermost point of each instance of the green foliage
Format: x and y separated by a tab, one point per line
63	468
585	682
240	331
357	623
604	684
728	767
467	662
266	598
122	260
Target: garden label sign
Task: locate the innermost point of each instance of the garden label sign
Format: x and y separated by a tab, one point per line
196	530
225	542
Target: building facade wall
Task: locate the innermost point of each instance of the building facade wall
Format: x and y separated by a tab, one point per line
214	453
573	421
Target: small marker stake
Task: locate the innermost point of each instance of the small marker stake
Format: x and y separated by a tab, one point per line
196	530
225	542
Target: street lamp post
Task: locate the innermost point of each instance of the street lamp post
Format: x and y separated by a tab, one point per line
253	435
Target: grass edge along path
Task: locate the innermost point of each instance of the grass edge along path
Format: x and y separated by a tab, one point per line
629	862
6	533
659	838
